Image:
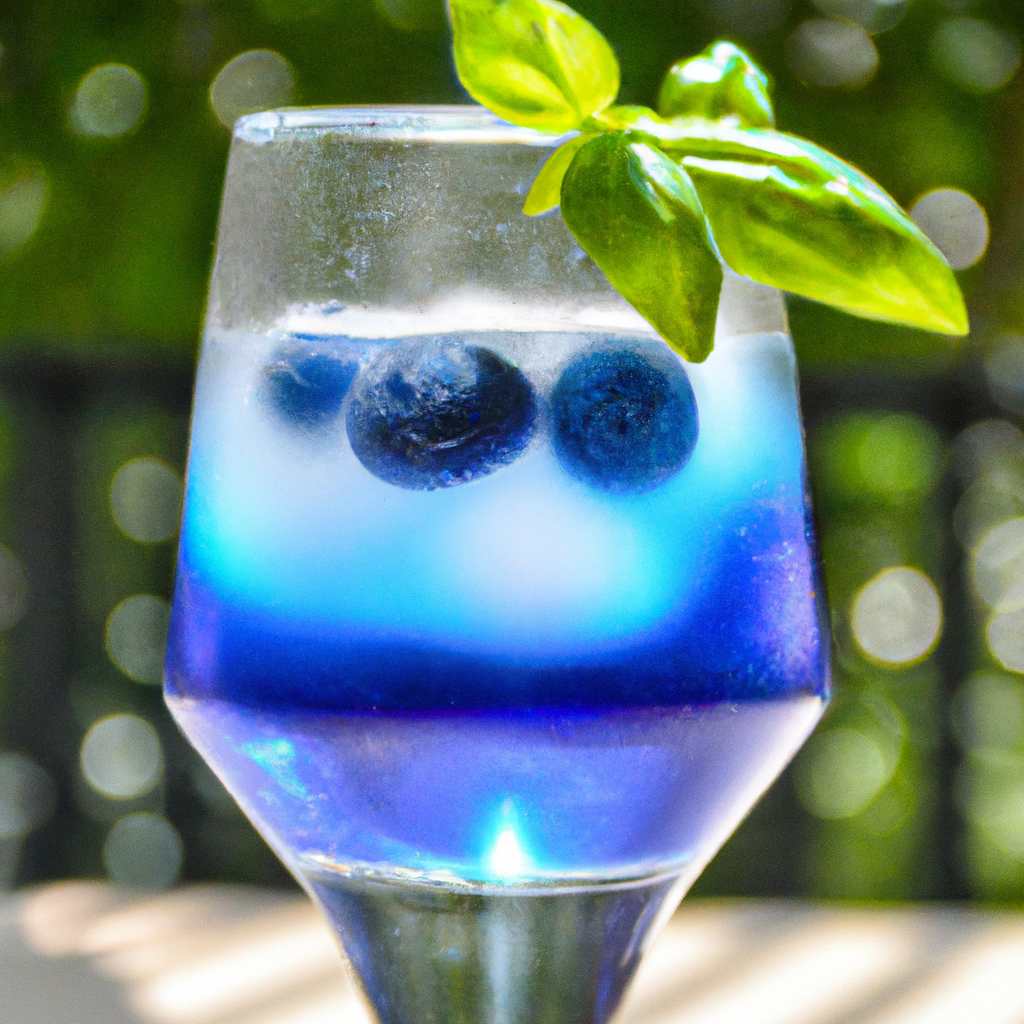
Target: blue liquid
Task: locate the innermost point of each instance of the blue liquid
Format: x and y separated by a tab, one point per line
521	677
557	796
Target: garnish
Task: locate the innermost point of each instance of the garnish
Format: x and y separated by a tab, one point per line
659	199
535	63
619	188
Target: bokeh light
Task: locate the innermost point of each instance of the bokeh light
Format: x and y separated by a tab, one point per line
988	711
1004	371
897	616
889	458
827	52
976	56
987	717
145	499
1005	635
27	795
991	796
24	191
137	637
252	81
13	589
872	15
993	499
998	566
956	222
121	757
413	15
109	101
144	850
841	771
752	18
899	457
987	447
104	246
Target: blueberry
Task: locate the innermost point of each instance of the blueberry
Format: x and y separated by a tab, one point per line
431	412
306	388
624	421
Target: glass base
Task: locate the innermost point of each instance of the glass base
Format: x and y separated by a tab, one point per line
431	952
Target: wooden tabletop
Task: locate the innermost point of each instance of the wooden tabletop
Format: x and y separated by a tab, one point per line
90	953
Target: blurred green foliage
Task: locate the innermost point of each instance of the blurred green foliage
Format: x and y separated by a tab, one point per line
105	247
122	249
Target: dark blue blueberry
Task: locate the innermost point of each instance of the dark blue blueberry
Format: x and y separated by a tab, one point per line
432	412
624	422
306	388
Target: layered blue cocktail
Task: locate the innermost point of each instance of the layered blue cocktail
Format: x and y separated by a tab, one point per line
489	609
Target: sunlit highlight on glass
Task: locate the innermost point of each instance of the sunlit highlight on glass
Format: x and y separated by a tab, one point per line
507	859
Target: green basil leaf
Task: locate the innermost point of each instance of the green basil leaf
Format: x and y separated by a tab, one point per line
787	213
721	82
546	191
536	63
637	215
629	118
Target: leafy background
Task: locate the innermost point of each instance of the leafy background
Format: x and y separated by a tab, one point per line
105	247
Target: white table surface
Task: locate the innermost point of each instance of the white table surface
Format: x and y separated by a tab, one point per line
90	953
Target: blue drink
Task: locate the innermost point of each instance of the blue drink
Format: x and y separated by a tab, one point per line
496	621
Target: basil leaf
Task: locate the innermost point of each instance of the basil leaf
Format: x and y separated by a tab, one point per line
636	214
721	82
793	216
546	191
629	118
536	63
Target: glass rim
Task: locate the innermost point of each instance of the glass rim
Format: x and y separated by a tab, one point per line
452	123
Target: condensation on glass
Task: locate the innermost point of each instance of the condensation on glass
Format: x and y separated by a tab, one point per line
513	687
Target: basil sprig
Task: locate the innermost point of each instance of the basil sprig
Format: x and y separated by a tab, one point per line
722	82
636	212
536	63
657	200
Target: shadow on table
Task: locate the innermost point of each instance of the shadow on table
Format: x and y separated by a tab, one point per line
91	953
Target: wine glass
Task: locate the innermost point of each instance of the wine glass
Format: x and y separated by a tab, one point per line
493	615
